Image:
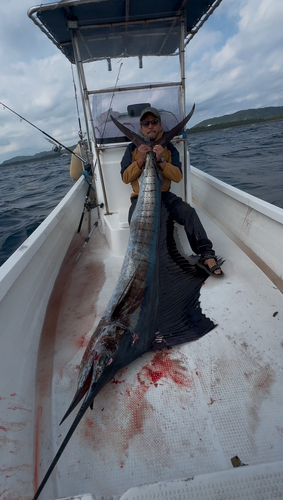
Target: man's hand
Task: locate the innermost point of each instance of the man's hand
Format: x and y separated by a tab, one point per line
158	150
143	149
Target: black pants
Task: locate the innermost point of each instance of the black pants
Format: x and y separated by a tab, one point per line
185	215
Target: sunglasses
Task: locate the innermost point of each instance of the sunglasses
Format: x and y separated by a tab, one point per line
146	123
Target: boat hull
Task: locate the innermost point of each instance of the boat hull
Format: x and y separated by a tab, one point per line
27	279
179	413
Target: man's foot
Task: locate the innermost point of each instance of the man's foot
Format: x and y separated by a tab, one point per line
213	266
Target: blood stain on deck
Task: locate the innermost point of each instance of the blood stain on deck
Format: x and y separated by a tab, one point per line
124	417
163	366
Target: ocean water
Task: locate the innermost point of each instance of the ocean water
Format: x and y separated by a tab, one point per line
249	158
29	192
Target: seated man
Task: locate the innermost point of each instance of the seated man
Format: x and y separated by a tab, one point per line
169	163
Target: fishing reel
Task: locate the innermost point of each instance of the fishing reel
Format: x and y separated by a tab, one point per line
90	204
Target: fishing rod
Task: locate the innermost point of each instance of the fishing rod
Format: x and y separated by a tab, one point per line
86	241
87	172
112	97
87	205
45	133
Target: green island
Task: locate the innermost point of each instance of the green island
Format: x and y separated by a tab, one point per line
239	119
44	155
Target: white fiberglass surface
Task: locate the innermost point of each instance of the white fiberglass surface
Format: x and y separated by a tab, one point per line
172	413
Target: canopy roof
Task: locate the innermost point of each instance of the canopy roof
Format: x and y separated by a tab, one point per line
120	28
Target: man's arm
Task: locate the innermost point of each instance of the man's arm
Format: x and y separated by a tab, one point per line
131	170
171	172
175	157
171	169
127	159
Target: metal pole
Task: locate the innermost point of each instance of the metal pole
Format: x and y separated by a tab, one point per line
182	65
183	95
135	87
79	67
87	112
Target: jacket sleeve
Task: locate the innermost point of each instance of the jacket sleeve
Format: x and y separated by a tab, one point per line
172	173
129	169
131	173
173	170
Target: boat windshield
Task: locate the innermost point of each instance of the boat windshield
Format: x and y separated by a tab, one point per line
126	106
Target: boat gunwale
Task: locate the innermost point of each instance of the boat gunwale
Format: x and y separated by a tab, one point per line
17	262
267	209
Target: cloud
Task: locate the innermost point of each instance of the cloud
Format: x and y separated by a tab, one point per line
245	69
41	91
234	62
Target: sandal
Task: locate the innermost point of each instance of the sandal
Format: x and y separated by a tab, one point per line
211	270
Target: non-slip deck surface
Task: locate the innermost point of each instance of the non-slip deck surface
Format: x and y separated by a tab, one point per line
175	413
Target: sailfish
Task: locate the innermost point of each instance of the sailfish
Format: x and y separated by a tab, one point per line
149	309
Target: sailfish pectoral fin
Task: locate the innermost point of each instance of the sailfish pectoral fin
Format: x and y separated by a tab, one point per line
117	306
92	380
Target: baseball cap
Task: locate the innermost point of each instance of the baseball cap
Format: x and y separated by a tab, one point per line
153	111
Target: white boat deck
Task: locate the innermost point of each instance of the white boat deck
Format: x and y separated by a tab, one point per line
174	413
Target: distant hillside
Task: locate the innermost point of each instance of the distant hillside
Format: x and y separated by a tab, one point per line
37	157
244	117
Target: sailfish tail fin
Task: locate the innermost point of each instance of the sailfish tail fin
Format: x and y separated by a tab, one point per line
135	138
165	139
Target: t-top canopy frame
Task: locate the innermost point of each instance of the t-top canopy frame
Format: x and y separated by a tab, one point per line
92	30
121	28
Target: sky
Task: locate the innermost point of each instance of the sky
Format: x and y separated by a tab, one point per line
234	62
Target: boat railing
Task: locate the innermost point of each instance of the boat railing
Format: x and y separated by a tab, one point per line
253	224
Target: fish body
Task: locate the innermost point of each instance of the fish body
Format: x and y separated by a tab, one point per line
128	326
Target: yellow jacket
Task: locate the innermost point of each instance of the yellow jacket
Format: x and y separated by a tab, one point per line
171	172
